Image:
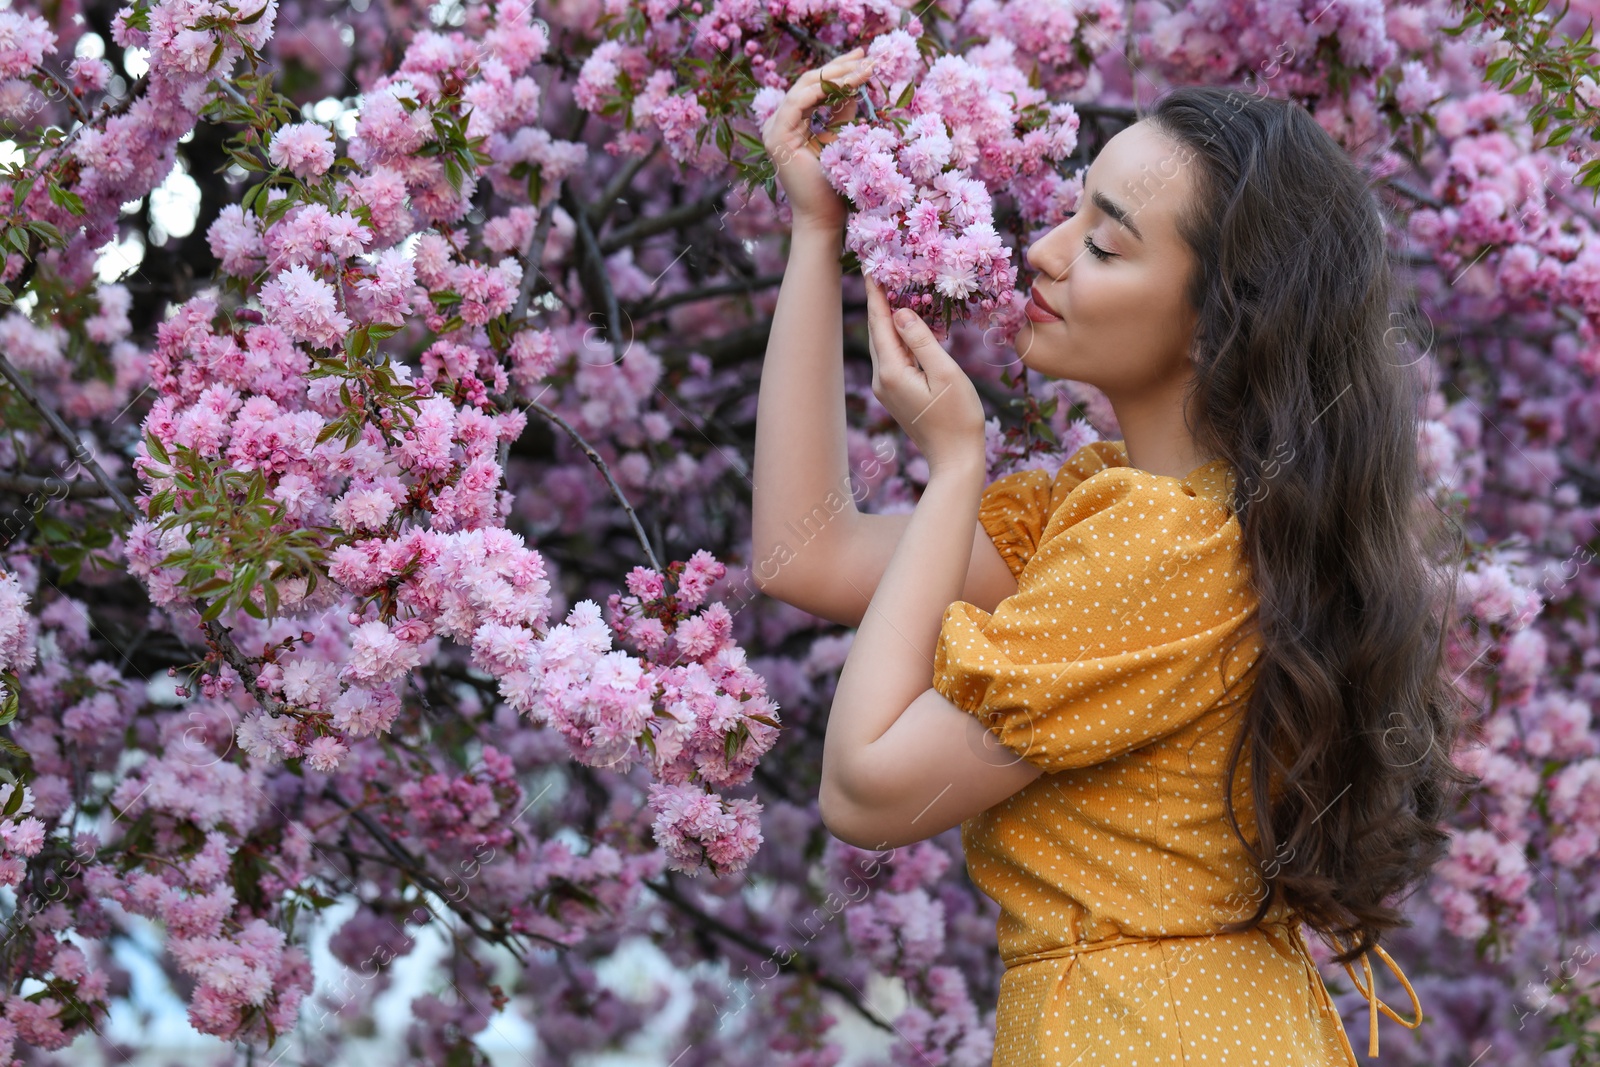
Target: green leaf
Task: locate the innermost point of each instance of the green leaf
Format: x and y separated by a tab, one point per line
358	343
14	801
66	198
46	231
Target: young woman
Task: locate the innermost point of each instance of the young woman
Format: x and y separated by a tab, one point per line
1232	609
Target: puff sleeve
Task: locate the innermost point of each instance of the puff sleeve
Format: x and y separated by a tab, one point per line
1120	637
1013	511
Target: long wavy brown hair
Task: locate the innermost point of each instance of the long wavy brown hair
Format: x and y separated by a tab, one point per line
1304	384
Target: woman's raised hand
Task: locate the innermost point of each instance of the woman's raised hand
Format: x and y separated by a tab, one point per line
793	150
922	386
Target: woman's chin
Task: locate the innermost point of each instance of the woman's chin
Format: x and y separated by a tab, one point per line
1032	349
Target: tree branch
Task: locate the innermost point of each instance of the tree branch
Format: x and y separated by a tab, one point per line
796	962
650	225
600	210
765	281
1411	193
80	452
592	272
532	260
220	637
52	484
417	872
66	92
605	472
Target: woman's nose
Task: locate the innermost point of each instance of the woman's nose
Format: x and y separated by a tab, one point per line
1044	254
1042	261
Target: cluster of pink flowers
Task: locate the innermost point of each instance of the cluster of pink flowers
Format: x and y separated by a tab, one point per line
305	149
1050	35
689	703
922	181
24	40
424	555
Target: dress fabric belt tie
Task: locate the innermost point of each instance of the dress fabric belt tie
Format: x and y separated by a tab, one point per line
1373	1003
1290	926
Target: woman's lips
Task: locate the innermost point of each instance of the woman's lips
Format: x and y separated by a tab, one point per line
1037	309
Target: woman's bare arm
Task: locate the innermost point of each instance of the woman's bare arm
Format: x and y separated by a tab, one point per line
812	547
901	762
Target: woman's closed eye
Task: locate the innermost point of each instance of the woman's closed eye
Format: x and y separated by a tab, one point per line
1095	250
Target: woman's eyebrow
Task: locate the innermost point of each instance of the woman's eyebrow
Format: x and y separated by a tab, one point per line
1116	211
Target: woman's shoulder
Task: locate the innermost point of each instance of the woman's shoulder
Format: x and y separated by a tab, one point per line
1097	477
1094	496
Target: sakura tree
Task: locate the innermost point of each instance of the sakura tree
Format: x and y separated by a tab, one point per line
378	403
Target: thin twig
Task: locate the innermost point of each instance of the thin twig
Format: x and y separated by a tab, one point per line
650	225
67	94
108	109
220	637
828	52
238	97
53	485
689	296
605	472
532	259
76	447
810	40
414	868
600	210
1412	193
796	961
592	271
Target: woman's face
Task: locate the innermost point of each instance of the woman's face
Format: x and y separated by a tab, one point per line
1122	323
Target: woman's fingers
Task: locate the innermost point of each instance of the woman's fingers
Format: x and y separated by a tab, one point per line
792	117
919	340
892	355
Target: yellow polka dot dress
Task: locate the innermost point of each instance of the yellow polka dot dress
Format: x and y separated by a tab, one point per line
1111	669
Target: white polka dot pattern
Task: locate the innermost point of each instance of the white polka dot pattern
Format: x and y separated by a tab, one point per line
1106	669
1114	634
